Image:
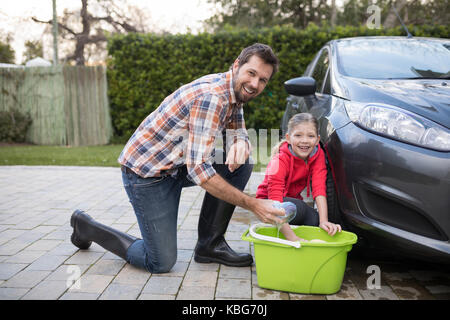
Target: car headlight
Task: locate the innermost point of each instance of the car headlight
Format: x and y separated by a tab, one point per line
399	124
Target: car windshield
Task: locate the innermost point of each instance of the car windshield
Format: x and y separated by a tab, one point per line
394	58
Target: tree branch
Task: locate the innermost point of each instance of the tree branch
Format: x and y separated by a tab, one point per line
115	17
96	38
59	25
125	26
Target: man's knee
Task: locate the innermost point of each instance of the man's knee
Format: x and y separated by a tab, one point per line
162	263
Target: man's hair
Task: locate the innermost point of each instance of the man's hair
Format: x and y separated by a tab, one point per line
261	50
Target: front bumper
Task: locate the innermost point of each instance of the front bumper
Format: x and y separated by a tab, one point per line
393	192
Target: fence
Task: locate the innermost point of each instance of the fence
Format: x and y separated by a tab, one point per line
68	105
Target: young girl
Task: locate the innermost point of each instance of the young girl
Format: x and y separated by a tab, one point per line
297	162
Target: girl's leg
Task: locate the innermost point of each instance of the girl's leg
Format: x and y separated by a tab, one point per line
305	214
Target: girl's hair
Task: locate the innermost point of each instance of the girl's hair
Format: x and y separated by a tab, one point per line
293	122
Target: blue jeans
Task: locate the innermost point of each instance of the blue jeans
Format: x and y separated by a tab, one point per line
155	202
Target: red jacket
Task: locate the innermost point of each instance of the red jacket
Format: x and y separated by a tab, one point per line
287	175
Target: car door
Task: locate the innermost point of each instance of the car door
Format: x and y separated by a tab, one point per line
319	103
316	104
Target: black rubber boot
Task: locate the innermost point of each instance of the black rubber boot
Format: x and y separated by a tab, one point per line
211	246
86	230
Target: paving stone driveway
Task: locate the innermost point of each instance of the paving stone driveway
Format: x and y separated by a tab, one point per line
38	261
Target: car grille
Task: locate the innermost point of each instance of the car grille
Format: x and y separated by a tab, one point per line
379	206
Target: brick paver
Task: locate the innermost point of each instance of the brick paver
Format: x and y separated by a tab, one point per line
38	261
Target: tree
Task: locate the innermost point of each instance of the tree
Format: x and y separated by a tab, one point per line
354	12
247	13
391	18
7	54
33	49
302	12
86	30
267	13
333	12
418	12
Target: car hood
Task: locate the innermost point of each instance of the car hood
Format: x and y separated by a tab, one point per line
428	98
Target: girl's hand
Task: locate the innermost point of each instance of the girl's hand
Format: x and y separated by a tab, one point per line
330	227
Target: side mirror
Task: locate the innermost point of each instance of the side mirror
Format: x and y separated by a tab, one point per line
302	86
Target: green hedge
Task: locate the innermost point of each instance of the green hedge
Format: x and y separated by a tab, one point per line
144	68
14	125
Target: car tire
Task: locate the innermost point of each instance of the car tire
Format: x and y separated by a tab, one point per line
359	250
334	213
362	249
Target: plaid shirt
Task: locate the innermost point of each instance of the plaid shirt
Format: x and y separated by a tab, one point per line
183	129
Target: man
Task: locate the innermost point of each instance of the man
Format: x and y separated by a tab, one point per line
174	148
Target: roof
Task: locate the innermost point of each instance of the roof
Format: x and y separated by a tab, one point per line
38	62
390	38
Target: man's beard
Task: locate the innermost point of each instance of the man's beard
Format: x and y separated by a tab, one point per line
237	91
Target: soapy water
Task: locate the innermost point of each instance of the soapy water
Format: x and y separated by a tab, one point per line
316	241
290	210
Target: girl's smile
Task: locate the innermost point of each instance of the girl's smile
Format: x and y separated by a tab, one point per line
303	139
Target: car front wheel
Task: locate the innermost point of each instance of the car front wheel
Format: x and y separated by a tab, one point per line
334	213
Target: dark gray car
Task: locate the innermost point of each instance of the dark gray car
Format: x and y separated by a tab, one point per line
383	104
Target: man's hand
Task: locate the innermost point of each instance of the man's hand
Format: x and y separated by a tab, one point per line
237	155
266	212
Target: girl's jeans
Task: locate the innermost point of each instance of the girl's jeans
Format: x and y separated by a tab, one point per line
305	214
155	202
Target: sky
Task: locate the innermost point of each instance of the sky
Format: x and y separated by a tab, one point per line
174	15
